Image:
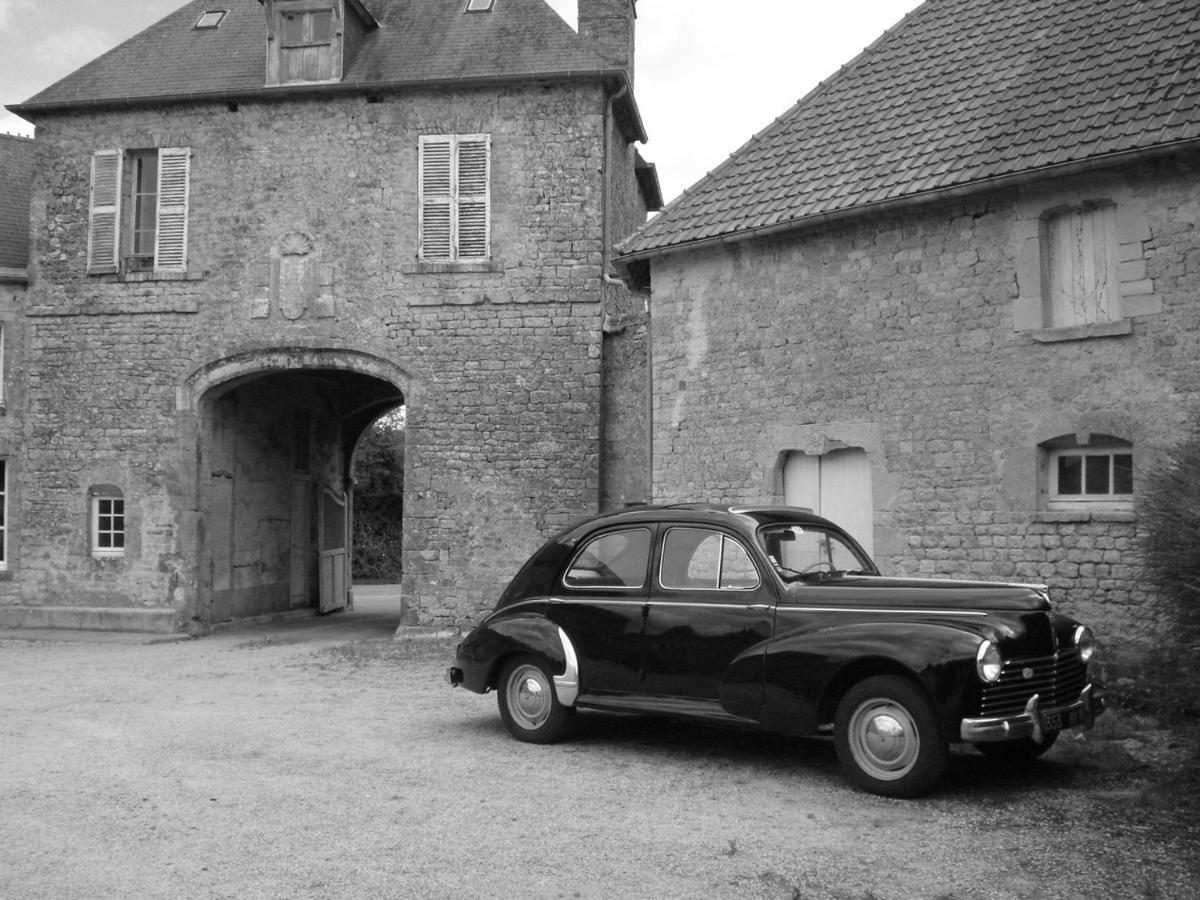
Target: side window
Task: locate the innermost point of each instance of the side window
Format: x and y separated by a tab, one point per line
138	212
616	559
107	523
700	559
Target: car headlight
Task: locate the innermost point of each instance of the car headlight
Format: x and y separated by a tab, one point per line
1085	642
988	662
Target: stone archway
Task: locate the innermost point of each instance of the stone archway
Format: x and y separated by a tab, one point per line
272	434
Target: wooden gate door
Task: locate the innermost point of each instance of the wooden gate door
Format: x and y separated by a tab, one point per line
334	559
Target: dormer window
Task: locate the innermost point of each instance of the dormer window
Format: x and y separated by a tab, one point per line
305	41
314	41
310	28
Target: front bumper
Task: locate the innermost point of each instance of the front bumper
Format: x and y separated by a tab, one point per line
1035	722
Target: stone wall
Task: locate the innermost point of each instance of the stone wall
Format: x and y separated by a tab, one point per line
896	334
500	364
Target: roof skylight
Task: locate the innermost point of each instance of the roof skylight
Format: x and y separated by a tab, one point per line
210	19
480	5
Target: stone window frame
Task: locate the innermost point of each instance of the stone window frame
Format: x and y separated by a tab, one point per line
1135	297
1053	506
106	539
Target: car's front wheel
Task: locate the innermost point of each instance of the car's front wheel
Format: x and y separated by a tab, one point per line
887	737
528	704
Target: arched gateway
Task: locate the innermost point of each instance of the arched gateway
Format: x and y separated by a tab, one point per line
268	446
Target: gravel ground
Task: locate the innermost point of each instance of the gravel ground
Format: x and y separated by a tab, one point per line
324	759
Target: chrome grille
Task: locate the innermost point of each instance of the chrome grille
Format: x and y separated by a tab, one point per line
1057	680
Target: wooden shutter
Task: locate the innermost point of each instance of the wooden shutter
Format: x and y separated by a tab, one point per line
1082	275
104	212
436	183
473	172
170	245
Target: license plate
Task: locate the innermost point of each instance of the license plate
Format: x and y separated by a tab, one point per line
1057	720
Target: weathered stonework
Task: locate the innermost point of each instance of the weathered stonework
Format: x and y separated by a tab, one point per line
910	337
235	392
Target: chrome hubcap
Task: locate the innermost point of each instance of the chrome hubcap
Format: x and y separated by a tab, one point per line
529	698
884	739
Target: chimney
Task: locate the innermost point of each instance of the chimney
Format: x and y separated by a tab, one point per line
608	24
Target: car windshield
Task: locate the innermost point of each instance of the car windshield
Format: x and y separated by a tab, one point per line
804	552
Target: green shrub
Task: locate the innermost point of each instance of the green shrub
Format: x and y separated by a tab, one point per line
379	502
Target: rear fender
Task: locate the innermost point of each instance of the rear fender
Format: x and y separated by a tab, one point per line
495	642
807	673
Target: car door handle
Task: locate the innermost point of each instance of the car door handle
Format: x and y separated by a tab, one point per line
759	607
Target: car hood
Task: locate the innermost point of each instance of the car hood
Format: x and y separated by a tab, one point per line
918	593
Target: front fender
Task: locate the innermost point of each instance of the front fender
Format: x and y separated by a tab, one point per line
806	673
483	652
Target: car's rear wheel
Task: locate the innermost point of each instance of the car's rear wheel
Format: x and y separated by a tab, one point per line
528	704
1019	750
887	737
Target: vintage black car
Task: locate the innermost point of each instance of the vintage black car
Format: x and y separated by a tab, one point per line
776	619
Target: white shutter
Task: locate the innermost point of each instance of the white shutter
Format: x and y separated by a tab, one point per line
436	197
104	212
474	175
170	246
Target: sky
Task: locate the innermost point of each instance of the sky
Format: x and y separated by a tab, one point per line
709	74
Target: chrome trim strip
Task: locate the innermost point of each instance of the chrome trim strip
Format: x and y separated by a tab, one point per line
781	607
898	611
566	685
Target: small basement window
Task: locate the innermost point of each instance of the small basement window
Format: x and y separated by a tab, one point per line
211	19
108	523
1095	471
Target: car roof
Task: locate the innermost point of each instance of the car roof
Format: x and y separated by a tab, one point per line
741	516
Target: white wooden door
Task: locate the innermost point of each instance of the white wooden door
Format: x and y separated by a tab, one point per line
836	485
334	559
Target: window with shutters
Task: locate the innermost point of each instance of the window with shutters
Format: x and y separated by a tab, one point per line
138	213
455	206
1082	284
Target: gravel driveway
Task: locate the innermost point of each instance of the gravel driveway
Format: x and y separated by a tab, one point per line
324	759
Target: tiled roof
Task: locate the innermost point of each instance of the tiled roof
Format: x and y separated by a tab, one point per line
961	92
16	169
417	41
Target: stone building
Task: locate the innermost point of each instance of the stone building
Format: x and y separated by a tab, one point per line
257	227
16	164
951	298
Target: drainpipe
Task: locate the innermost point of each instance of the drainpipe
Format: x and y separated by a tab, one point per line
608	278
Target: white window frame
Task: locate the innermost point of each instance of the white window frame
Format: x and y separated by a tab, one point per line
110	535
109	222
1058	499
454	183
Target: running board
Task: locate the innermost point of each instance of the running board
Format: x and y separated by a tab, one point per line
680	707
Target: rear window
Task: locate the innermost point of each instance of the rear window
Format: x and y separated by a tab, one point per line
616	559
